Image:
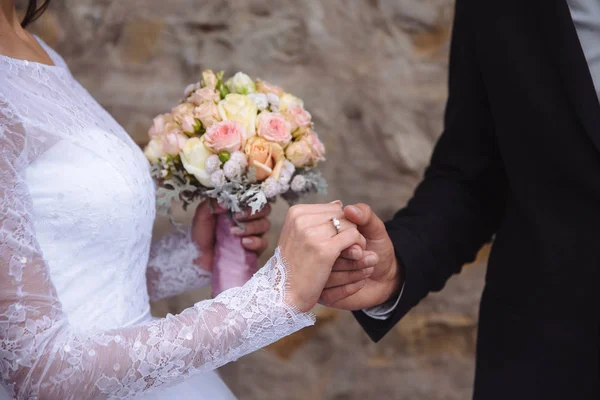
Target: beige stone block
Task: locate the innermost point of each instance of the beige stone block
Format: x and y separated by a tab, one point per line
140	40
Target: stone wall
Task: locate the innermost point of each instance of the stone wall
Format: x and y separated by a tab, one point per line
373	73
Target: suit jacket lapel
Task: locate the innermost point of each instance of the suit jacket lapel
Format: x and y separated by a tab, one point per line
562	40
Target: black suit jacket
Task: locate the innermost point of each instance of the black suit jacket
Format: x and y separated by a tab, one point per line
519	158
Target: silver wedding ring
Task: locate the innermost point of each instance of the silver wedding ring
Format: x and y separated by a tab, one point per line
336	224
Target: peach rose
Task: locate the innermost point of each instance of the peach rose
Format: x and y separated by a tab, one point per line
274	127
204	94
266	157
266	88
207	113
298	117
225	136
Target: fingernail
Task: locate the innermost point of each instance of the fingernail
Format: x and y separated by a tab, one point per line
355	210
246	241
355	254
237	231
362	284
337	202
370	261
368	271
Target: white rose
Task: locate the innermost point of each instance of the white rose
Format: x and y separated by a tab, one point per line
193	158
260	100
241	84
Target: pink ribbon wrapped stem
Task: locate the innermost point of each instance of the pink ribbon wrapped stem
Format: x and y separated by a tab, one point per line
233	265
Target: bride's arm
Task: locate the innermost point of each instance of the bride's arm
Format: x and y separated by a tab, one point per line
43	356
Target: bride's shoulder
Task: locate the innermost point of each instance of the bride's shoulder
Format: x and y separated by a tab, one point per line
53	54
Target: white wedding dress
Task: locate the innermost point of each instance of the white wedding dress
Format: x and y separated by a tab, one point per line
76	215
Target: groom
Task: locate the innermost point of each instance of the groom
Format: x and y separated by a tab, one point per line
519	159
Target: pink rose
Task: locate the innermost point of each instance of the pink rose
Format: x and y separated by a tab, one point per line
183	114
207	113
225	136
318	148
181	110
298	117
266	87
204	94
274	127
158	126
173	140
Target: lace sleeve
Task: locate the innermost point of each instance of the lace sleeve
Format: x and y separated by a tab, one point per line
172	269
43	356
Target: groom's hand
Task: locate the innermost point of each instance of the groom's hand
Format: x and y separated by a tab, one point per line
383	283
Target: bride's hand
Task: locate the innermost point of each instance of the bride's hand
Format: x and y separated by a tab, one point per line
251	234
310	245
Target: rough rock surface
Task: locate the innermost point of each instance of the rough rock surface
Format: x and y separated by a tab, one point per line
373	73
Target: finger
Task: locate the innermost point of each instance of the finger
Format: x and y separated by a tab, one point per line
204	225
255	243
345	239
369	223
331	296
306	209
343	278
253	228
326	230
246	215
217	208
354	252
369	259
307	220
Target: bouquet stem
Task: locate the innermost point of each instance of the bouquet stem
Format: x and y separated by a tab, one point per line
233	264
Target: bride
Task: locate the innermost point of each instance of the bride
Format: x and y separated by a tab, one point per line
76	216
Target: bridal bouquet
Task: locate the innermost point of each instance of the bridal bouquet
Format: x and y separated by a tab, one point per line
241	142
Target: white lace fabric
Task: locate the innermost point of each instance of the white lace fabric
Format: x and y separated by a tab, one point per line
76	215
172	269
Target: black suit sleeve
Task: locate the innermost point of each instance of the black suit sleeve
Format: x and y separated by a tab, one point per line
459	205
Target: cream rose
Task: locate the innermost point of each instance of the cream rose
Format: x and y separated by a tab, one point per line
207	113
266	157
274	127
241	83
153	150
193	157
224	136
299	153
239	108
287	100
